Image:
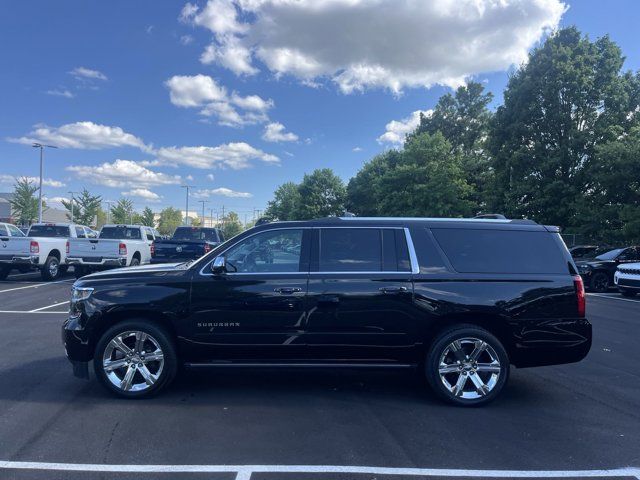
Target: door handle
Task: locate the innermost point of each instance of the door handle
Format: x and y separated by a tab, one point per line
393	289
287	289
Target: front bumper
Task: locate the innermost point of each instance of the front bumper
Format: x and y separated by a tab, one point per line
627	281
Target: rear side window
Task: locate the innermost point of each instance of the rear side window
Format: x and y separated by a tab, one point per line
3	231
501	251
429	258
80	232
196	234
14	231
350	250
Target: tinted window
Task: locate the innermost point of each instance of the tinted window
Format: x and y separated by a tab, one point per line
272	251
196	234
15	231
610	255
48	231
350	250
429	258
501	251
3	231
120	233
628	254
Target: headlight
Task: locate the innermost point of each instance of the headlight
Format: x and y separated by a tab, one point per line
79	294
584	268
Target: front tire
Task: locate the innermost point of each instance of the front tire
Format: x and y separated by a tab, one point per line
51	269
467	366
599	282
135	359
4	272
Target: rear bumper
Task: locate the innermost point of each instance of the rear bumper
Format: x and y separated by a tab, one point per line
104	262
21	260
550	342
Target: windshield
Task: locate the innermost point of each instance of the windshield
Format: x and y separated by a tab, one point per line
49	231
120	233
196	234
608	255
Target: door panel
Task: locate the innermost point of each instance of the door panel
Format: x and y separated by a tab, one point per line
251	313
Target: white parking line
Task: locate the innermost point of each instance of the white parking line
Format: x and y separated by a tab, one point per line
35	310
27	311
36	286
606	295
244	472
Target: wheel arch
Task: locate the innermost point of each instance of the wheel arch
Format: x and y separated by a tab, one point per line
54	253
157	319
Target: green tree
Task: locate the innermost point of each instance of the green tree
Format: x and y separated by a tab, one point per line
363	190
285	203
322	194
122	212
24	202
85	207
148	217
566	100
101	216
196	222
170	219
231	225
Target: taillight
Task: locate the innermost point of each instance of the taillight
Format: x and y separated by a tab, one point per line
153	249
122	249
67	246
34	247
580	296
207	248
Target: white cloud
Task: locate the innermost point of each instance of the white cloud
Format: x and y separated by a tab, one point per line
60	92
55	202
362	44
123	173
396	130
82	135
231	155
210	176
213	100
186	39
275	132
357	149
143	193
46	182
86	73
222	191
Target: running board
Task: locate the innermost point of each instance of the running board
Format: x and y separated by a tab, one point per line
297	365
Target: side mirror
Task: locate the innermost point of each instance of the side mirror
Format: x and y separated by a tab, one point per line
219	265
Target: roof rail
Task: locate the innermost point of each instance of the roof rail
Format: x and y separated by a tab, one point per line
493	216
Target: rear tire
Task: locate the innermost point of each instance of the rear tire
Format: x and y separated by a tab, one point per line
135	261
149	351
627	293
467	366
4	272
599	282
51	269
79	272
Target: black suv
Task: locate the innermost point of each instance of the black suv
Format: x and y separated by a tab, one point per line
598	272
455	298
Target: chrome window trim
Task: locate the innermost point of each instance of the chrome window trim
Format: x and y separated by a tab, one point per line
415	267
412	254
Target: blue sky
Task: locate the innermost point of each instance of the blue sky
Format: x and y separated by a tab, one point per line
237	97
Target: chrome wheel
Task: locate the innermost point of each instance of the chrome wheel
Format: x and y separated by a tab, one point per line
469	368
53	268
133	361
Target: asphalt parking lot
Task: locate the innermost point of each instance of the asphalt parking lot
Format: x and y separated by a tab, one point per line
323	425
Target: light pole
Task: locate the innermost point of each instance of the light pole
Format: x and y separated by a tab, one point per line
203	218
186	212
72	205
109	202
41	147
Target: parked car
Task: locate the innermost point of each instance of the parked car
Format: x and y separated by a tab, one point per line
597	272
116	246
627	279
187	243
455	299
583	251
8	230
44	248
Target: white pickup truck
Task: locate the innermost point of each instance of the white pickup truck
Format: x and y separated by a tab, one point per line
45	247
116	246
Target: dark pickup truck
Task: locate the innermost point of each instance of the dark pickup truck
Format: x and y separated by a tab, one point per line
187	243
